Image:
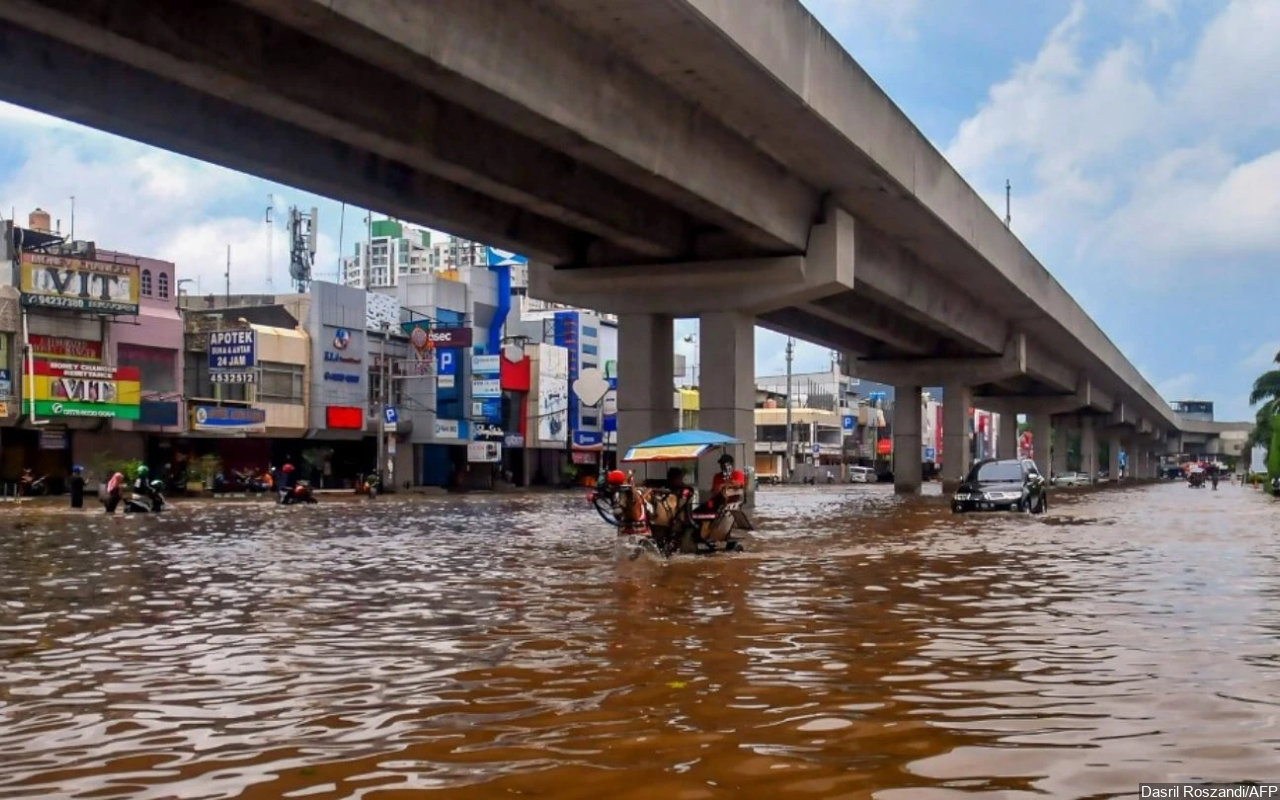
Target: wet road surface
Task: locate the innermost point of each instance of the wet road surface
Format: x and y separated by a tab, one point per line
489	646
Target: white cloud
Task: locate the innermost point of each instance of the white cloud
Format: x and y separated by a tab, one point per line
1261	358
1121	162
137	199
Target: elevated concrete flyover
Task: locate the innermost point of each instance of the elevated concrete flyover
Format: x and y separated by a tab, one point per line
655	159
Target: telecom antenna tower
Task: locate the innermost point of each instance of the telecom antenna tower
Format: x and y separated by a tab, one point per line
302	246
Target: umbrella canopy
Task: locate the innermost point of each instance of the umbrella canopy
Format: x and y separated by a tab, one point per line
678	446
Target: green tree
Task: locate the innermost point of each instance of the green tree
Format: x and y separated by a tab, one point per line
1266	390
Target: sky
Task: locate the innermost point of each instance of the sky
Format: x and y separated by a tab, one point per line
1141	138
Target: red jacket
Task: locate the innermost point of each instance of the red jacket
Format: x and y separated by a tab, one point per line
738	478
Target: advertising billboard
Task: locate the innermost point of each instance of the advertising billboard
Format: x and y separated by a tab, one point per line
566	336
484	452
552	410
65	389
436	337
78	284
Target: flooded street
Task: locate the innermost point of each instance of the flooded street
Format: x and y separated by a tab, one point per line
489	646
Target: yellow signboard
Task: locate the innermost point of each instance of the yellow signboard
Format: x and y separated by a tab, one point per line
78	284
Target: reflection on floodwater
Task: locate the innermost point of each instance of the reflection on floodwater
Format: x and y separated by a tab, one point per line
493	646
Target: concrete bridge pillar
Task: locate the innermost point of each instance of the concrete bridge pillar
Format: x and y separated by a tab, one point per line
727	353
907	455
646	365
1088	449
1115	446
1042	440
1007	435
1061	443
956	401
1113	461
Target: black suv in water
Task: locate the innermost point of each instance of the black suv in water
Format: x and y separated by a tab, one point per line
1009	484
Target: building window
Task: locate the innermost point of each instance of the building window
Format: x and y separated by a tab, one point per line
162	284
281	383
590	422
146	282
590	350
155	365
589	332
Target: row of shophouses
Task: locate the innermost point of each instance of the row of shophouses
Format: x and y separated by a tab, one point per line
442	379
449	380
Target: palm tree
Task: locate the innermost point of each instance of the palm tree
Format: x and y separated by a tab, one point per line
1266	390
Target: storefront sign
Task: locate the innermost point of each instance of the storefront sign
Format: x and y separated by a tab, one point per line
585	457
484	432
78	284
486	365
341	377
447	429
489	410
64	348
484	452
227	419
6	383
586	439
232	349
65	389
246	376
513	440
53	439
445	381
485	387
349	418
450	338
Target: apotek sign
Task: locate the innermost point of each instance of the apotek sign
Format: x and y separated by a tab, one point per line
232	349
78	284
65	389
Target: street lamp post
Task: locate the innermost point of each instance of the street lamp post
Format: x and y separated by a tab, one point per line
383	380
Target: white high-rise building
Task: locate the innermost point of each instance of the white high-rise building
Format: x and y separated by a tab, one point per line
394	249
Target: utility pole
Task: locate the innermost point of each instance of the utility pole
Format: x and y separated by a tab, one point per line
228	276
790	350
73	218
1008	193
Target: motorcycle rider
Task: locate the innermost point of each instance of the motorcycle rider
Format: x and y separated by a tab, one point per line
142	487
285	485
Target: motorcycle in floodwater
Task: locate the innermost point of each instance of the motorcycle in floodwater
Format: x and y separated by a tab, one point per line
146	499
299	493
663	519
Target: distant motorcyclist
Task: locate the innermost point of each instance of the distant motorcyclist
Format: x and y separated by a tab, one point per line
285	485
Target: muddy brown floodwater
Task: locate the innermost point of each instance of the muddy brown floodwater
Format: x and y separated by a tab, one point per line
483	647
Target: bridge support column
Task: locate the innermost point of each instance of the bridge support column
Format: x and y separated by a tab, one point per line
727	353
1042	440
956	401
907	455
646	365
1061	443
1088	449
1007	435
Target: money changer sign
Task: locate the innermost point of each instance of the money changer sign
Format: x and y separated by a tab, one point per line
64	389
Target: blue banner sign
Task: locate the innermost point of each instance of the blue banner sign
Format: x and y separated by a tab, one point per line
227	419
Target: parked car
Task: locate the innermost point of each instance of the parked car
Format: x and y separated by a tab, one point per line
999	485
1071	479
862	475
